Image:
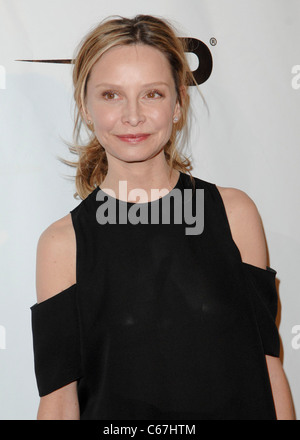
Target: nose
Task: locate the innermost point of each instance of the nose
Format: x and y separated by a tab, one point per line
133	113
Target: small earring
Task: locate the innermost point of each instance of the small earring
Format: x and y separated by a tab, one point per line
175	120
90	125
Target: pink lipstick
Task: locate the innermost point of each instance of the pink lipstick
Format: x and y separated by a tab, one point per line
134	138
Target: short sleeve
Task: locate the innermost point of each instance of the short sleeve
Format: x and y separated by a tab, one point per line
56	341
264	298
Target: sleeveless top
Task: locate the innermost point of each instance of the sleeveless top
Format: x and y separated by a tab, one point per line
161	323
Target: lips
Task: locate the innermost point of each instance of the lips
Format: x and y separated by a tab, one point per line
134	138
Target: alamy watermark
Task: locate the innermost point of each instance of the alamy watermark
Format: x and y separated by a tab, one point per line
296	339
2	337
186	207
296	78
2	77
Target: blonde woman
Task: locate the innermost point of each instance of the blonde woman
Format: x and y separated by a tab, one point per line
140	319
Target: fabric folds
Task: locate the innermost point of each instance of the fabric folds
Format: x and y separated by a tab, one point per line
56	341
264	298
160	323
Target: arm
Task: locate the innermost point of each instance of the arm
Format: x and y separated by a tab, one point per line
280	389
248	234
56	271
62	404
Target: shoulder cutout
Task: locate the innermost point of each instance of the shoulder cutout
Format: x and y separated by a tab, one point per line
246	226
56	259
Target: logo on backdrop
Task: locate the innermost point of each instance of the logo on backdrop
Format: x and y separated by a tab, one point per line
195	46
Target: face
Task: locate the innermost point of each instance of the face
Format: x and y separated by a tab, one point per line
131	100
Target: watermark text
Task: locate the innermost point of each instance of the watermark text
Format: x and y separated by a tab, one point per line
181	205
2	77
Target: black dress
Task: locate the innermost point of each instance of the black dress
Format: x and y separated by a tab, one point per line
161	323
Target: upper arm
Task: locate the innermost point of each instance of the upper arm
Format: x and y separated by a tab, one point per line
246	226
55	272
248	234
56	259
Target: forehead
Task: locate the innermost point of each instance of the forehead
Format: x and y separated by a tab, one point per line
132	62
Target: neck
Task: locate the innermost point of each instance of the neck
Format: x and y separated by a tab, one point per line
147	175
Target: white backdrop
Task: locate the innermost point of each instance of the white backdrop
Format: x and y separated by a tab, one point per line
250	140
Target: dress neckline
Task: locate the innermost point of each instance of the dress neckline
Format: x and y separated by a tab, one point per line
177	186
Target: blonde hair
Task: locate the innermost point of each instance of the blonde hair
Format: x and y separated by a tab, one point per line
143	29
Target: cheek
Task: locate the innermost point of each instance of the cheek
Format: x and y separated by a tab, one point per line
104	122
109	120
161	118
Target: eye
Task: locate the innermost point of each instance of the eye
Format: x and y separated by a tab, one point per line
154	94
109	95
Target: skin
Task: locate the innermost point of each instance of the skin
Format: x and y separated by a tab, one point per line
131	90
120	101
248	234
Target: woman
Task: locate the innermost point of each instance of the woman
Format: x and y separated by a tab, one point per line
142	321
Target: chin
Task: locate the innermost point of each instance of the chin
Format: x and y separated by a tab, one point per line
137	156
134	159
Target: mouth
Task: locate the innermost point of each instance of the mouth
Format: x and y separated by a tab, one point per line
133	138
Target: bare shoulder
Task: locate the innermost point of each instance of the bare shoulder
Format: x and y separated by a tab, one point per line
237	201
246	226
56	258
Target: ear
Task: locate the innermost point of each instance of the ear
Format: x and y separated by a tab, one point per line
177	112
179	102
86	116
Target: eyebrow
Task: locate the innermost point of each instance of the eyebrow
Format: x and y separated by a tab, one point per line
118	86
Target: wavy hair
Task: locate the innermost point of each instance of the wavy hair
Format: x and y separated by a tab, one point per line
92	165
